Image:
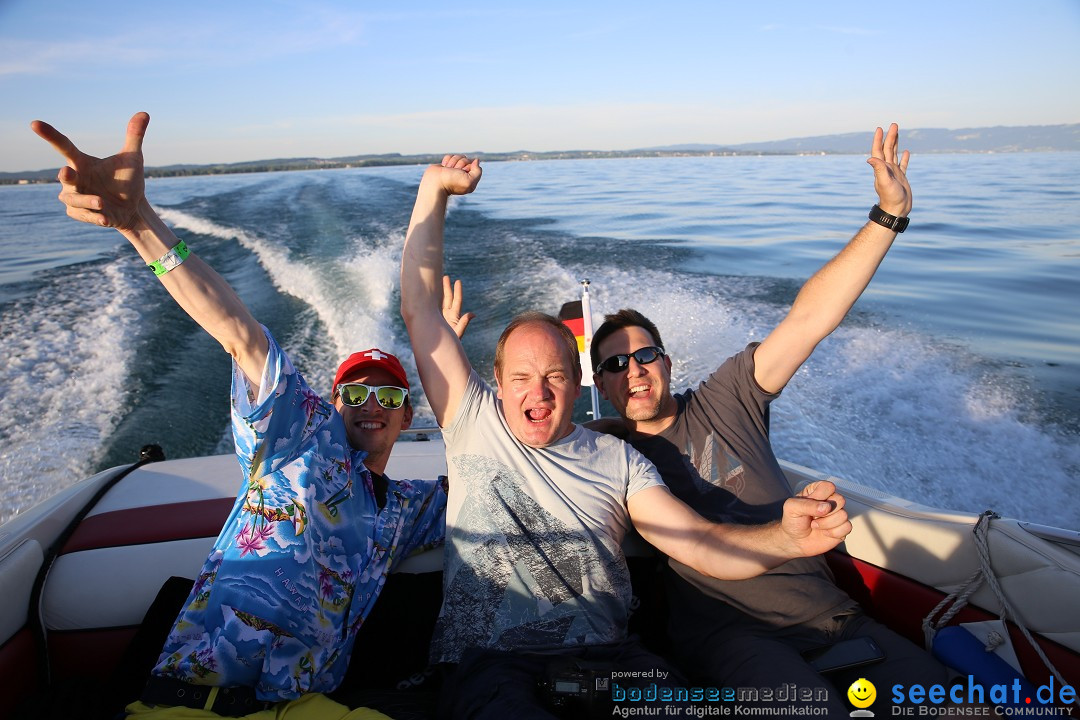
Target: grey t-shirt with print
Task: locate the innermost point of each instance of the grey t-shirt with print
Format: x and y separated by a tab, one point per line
533	535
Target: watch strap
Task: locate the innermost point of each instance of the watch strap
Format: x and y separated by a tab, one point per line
897	224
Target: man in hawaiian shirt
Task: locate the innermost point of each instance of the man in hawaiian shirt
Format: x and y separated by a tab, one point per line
316	526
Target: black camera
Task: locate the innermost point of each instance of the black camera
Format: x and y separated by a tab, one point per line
577	688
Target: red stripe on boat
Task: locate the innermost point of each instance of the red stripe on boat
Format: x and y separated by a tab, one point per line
151	524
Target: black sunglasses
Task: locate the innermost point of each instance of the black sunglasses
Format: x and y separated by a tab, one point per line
644	356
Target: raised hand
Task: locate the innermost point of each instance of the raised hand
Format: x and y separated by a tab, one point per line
452	297
815	521
101	191
890	172
456	175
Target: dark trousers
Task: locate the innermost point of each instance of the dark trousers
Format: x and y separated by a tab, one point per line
500	684
711	646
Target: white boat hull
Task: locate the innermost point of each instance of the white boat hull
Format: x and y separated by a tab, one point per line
162	518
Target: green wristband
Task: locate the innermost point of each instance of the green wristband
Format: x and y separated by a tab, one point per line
172	259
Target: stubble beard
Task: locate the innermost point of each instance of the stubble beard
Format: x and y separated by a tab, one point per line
644	413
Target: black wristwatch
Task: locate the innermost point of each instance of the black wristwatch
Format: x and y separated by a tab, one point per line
899	224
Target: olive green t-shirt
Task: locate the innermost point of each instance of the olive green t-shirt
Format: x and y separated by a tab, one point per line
717	458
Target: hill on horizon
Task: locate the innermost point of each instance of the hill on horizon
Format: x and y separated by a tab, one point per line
998	139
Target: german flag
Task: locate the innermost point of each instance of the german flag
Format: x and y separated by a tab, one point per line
573	317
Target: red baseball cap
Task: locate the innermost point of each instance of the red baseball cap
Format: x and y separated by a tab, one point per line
373	358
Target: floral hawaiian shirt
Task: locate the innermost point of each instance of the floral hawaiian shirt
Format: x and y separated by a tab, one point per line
304	552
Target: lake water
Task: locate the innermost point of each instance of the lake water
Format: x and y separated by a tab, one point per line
955	380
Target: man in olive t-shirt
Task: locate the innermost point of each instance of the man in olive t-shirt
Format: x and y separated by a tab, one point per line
711	446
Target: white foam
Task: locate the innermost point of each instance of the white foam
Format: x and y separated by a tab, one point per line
896	410
351	298
68	353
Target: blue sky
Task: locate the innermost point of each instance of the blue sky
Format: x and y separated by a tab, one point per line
230	81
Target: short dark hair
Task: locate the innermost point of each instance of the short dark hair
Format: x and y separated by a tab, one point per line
617	321
539	318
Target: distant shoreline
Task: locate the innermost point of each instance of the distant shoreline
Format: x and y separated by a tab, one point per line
36	177
993	140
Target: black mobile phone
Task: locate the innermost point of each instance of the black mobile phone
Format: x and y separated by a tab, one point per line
844	654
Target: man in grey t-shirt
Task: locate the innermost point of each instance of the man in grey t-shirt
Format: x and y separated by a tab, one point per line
538	507
711	446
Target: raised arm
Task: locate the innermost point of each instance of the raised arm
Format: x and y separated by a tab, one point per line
813	522
444	369
830	293
109	192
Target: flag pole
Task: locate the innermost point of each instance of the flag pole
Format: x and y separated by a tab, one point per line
586	316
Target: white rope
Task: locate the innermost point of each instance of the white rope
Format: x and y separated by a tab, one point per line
981	531
959	597
994	640
982	544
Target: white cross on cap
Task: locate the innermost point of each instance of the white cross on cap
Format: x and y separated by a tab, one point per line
376	355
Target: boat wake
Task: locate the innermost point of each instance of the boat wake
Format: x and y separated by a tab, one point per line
880	403
68	353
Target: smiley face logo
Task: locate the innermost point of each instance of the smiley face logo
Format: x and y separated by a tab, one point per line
862	693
